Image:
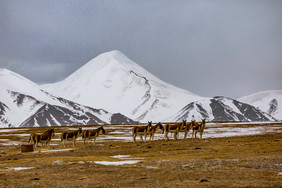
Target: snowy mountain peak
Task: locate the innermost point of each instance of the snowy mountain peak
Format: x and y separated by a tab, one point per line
114	82
15	82
110	64
114	56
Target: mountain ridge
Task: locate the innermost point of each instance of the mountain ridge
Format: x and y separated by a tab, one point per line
22	102
268	101
123	86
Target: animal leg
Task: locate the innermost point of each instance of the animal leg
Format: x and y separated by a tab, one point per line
73	142
94	140
201	134
36	143
166	137
175	136
141	138
185	135
30	139
134	138
145	137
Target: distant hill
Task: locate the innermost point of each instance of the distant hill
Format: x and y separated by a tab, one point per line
23	103
114	82
267	101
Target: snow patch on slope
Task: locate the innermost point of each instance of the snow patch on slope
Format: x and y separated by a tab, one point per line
267	101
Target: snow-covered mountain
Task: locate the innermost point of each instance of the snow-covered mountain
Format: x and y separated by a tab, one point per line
113	82
221	109
267	101
23	103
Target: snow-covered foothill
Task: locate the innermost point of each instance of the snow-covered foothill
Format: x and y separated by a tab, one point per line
267	101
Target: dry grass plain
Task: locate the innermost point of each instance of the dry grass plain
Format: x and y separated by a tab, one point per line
240	161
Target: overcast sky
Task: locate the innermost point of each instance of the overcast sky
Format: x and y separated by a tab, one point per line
210	48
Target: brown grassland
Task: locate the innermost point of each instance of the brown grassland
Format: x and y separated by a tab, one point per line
242	161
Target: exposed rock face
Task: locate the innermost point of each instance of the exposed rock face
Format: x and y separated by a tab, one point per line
221	109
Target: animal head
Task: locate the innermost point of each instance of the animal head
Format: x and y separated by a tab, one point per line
161	127
203	122
102	129
80	130
149	123
52	131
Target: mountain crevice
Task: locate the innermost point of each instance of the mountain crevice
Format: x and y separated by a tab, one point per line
147	95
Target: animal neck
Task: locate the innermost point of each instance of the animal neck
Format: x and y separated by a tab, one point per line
76	133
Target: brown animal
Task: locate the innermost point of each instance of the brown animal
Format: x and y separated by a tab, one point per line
174	128
187	128
42	138
88	134
71	135
154	129
199	127
32	137
141	130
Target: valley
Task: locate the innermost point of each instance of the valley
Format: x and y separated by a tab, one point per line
221	159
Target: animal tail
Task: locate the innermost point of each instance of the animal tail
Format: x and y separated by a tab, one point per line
62	137
82	135
134	130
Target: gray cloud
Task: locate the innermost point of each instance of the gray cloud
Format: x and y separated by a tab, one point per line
230	48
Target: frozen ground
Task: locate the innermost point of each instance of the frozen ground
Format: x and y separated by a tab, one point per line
124	132
15	168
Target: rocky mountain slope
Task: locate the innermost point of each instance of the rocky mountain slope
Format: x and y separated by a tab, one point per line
111	85
114	82
267	101
23	103
221	109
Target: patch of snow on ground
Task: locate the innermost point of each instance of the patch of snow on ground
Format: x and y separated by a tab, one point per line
11	130
16	168
120	156
55	150
116	163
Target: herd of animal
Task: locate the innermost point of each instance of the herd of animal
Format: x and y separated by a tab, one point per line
149	129
174	128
